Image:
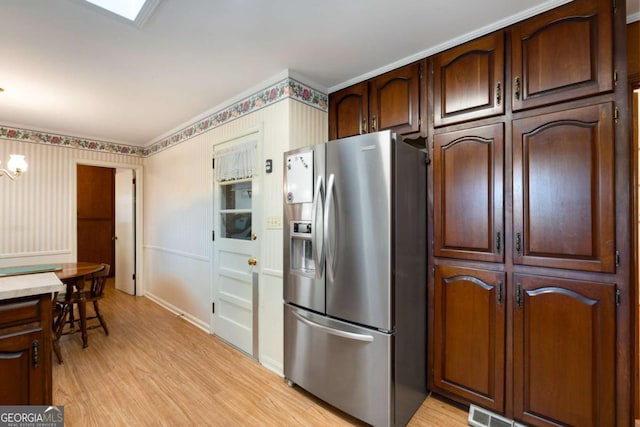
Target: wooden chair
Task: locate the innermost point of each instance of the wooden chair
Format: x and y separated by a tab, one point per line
63	312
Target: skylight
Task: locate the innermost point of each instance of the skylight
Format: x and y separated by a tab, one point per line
128	9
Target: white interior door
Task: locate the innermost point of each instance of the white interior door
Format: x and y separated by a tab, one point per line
125	231
236	258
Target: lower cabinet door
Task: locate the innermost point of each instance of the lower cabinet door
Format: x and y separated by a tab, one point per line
469	335
564	335
22	369
342	364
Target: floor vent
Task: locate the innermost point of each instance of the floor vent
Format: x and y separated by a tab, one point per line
480	417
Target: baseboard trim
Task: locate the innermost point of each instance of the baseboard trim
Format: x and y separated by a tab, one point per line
175	310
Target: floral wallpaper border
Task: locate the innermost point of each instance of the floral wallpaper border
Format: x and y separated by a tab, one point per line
286	88
68	141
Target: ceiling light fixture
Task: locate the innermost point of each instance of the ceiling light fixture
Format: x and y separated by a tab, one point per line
15	166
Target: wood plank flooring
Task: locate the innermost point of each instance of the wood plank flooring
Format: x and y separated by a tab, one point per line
156	369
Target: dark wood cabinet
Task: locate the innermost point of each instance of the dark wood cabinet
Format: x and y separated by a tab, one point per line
562	54
530	200
391	101
469	335
349	111
564	352
468	181
25	351
469	81
563	189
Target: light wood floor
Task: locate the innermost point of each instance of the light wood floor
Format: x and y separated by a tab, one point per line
157	369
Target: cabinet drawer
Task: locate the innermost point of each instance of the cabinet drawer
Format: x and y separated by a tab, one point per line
20	311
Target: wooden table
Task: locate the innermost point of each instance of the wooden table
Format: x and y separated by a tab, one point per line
72	274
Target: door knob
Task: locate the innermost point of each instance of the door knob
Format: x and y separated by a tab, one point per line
252	261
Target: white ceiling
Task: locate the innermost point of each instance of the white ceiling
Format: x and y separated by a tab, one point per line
69	68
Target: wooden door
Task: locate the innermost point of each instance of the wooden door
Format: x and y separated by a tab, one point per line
564	352
394	100
469	81
22	368
562	54
349	111
468	194
96	215
563	189
469	335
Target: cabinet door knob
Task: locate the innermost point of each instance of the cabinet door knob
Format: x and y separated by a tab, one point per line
498	93
516	86
252	261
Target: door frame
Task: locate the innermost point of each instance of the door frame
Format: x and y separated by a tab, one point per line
73	222
259	227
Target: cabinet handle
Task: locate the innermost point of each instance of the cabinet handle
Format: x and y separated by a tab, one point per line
518	243
498	242
364	126
374	124
517	88
498	93
35	353
500	292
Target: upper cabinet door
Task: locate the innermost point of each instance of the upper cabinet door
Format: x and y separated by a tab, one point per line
563	189
469	81
468	186
395	100
562	54
349	111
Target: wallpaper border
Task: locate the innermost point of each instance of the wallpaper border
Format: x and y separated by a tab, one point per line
286	88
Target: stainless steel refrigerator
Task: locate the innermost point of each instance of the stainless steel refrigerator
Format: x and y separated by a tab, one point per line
355	275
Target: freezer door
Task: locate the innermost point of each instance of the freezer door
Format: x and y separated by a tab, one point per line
346	366
358	229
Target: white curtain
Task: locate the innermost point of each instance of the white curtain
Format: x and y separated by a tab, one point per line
237	161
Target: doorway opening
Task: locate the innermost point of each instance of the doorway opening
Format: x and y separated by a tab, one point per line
108	224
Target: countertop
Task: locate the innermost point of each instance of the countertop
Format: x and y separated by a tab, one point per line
29	284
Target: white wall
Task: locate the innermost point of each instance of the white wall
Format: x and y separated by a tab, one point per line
178	217
37	212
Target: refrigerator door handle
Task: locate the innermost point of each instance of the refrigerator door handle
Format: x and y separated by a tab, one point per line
317	240
336	332
329	252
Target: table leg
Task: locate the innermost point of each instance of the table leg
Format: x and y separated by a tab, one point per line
82	309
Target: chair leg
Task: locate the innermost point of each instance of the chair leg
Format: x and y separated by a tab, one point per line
58	326
100	318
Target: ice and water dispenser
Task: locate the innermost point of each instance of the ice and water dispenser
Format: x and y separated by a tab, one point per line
299	198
